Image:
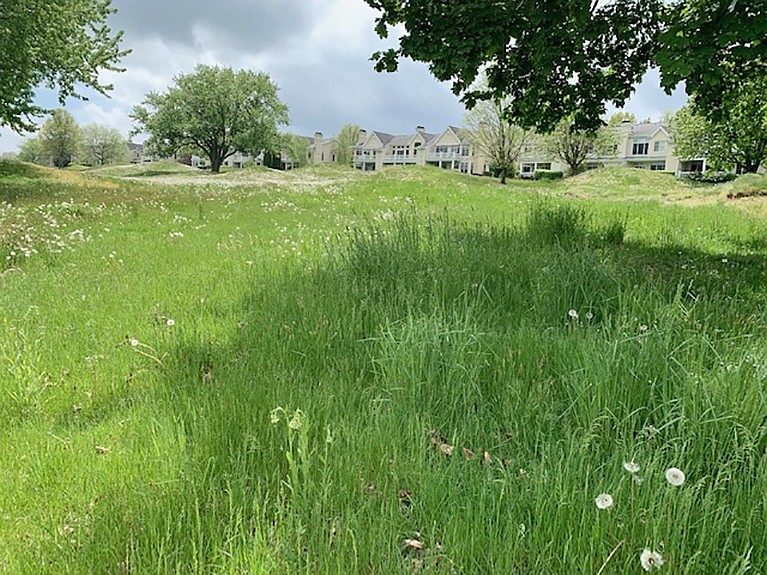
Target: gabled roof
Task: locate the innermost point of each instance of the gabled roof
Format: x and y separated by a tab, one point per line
400	140
647	129
384	137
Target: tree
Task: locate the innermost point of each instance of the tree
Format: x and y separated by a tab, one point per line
60	138
736	139
569	57
61	46
346	139
295	150
494	137
216	112
31	150
573	146
714	46
101	144
619	117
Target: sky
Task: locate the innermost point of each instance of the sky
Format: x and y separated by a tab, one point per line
317	51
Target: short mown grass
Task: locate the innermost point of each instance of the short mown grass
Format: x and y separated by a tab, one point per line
409	372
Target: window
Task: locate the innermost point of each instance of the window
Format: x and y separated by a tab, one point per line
659	147
658	167
640	148
528	168
543	166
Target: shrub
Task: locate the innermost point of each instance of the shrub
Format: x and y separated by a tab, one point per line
712	176
548	175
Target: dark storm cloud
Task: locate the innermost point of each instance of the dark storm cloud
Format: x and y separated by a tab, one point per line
317	51
251	25
355	94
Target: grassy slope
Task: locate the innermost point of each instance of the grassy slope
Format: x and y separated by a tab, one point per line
447	309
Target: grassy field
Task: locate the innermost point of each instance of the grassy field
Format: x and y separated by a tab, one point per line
411	371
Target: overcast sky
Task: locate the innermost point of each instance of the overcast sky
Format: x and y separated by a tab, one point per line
317	51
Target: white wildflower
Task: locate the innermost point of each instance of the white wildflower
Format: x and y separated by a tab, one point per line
604	501
675	476
631	467
296	421
170	322
650	559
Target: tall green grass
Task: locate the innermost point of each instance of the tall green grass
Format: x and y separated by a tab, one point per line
309	413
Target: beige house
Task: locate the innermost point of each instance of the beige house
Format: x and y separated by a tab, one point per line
321	151
647	146
449	150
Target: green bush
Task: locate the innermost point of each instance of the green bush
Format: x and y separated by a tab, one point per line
712	177
548	175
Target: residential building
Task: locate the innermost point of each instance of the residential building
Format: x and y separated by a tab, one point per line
322	151
136	154
450	150
646	145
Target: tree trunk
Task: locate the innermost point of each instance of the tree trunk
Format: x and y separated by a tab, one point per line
215	164
503	176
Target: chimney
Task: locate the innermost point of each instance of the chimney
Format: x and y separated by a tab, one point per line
361	136
420	129
318	156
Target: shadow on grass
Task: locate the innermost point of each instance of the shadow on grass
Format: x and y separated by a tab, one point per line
464	328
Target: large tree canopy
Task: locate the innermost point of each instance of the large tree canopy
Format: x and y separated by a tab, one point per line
58	45
737	140
570	57
714	46
215	112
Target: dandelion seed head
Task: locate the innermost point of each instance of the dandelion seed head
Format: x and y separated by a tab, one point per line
589	315
133	342
675	476
631	467
604	501
650	560
170	322
573	314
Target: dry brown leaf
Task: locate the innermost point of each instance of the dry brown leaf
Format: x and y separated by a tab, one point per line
446	449
437	438
413	544
468	453
102	450
487	459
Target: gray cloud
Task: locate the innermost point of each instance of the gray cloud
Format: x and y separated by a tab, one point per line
317	51
232	25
